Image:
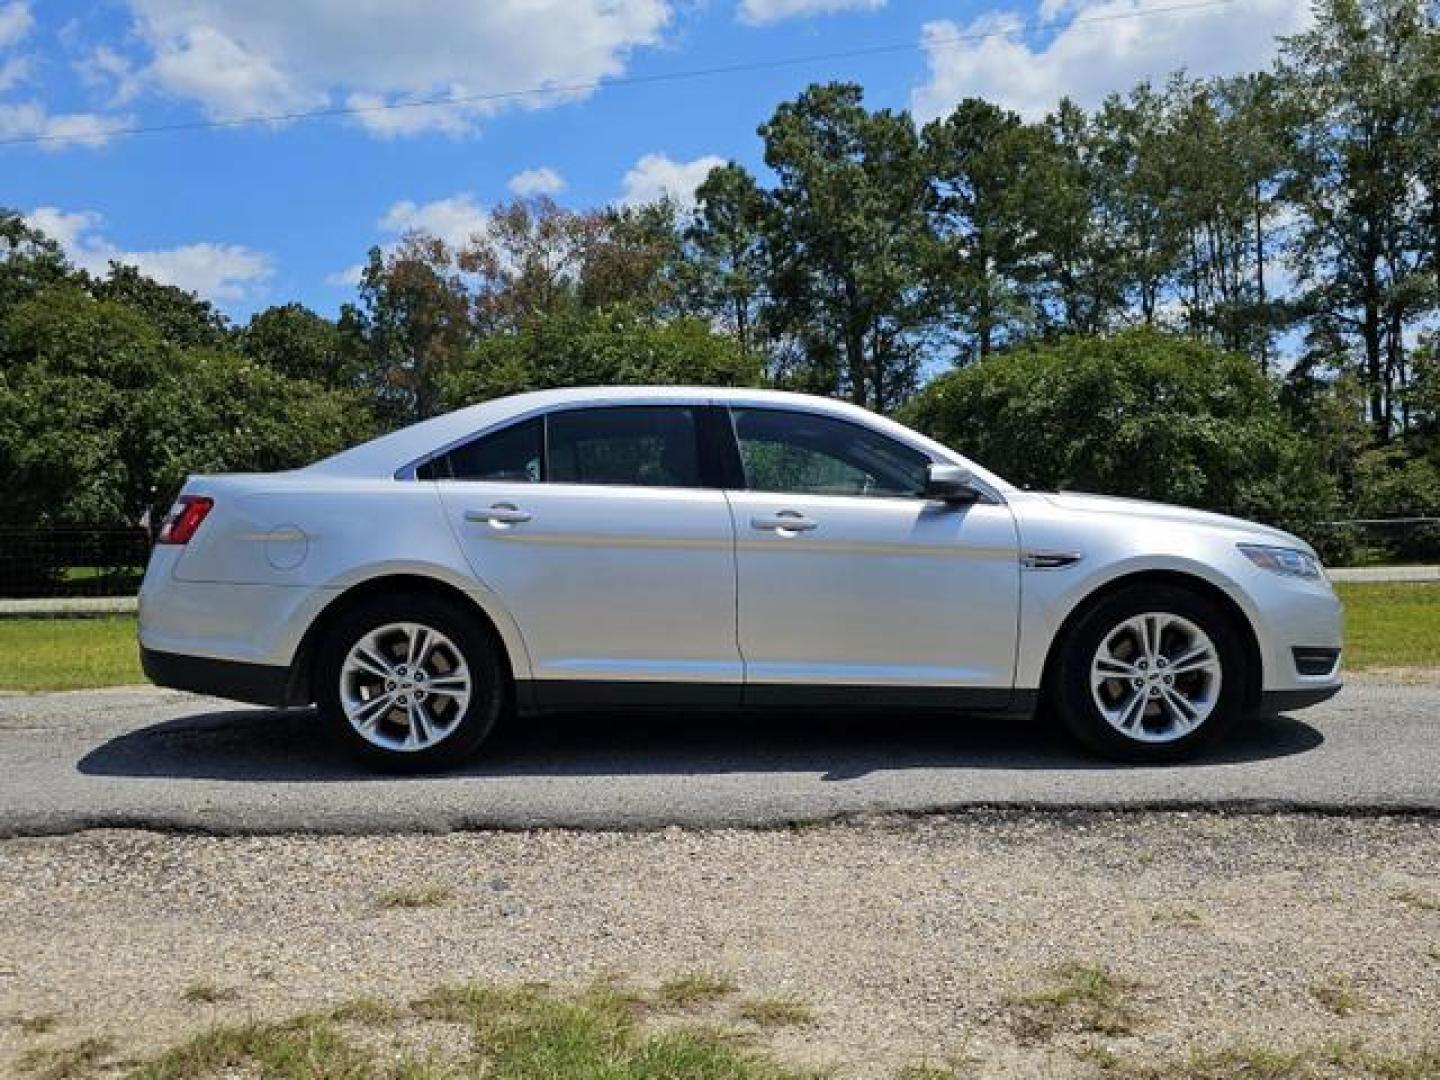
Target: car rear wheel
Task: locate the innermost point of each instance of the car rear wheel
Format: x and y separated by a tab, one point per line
410	684
1150	673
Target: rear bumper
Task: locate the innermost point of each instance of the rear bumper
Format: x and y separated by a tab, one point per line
258	684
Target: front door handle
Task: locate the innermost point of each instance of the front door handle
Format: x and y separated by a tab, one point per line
499	514
786	521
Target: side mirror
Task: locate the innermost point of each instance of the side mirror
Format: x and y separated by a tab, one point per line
951	484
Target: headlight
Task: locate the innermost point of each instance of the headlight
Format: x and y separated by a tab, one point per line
1291	562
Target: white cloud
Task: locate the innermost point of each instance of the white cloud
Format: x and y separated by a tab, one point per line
454	220
656	176
106	69
541	181
204	64
279	56
1086	59
349	278
15	22
760	12
215	271
13	71
31	120
65	229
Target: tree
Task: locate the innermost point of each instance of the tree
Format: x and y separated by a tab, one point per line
979	161
1226	147
293	340
101	417
73	406
412	323
630	259
30	262
726	260
526	263
1137	178
180	317
219	411
1363	82
1075	255
848	244
612	346
1254	138
1141	413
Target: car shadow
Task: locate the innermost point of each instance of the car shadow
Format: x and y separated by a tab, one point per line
291	746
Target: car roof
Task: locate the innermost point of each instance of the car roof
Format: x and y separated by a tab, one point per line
390	454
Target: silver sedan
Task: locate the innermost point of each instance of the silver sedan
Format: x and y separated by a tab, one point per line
694	548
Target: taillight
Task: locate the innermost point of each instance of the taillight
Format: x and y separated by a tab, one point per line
184	518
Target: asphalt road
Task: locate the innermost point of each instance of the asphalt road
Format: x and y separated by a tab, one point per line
160	759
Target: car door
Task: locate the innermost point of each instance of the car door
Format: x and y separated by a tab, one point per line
853	587
594	528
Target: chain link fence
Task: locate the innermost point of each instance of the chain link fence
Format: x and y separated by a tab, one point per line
72	561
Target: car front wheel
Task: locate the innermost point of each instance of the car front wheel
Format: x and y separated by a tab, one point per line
1151	673
410	684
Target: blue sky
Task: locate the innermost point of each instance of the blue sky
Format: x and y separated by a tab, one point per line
262	213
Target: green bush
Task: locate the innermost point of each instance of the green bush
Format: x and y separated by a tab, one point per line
1141	414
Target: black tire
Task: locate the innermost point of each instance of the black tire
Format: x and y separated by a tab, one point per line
475	722
1070	690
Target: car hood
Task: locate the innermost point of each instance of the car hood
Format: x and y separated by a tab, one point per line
1112	506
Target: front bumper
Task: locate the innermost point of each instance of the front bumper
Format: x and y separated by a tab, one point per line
258	684
1281	701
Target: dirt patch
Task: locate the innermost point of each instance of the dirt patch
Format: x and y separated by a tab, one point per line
1007	945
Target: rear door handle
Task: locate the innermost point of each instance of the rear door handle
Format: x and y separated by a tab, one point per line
785	521
499	514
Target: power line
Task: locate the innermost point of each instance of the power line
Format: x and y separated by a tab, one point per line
746	67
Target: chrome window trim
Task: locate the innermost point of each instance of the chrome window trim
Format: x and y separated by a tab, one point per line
989	493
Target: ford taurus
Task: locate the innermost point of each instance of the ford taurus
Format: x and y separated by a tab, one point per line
686	548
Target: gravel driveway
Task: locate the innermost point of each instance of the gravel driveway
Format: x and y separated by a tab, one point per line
909	938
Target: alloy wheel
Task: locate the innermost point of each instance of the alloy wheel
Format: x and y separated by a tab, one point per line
1156	677
405	686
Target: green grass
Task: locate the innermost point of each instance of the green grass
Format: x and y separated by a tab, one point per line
66	1062
203	992
514	1034
414	897
776	1012
1391	625
1077	997
694	989
68	654
1336	993
1386	626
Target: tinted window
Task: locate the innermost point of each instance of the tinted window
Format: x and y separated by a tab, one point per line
816	455
643	446
512	454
